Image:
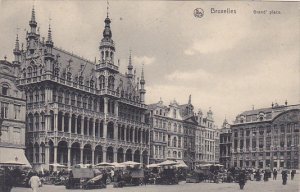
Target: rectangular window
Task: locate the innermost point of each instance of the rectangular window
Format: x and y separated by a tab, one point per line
43	95
17	109
281	140
268	143
4	110
261	142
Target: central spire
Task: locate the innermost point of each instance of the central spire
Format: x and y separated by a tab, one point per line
130	67
107	46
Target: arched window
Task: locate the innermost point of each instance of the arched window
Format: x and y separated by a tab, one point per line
29	71
90	101
67	97
175	154
175	127
174	113
84	102
4	89
174	142
78	100
60	96
111	82
73	99
102	82
106	55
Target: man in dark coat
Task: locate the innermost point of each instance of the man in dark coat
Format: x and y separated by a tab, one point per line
274	174
242	179
284	177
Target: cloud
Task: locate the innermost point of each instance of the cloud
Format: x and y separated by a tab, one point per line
143	60
189	76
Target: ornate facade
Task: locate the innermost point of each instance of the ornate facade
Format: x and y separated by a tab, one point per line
225	144
177	133
206	138
267	137
13	108
80	111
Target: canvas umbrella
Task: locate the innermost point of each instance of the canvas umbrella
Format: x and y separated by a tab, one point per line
57	165
153	165
167	162
12	163
129	163
104	164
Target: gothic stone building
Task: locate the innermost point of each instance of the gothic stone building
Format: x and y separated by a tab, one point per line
80	111
13	108
267	137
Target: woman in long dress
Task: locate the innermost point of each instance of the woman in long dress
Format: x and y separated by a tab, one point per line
35	183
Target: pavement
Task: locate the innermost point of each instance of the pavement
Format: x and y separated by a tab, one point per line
253	186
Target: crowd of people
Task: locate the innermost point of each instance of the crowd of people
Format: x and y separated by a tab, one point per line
143	176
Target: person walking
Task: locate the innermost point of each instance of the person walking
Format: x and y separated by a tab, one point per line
35	182
6	180
274	174
293	174
284	177
242	179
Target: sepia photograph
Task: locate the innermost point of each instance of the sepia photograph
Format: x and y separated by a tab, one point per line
108	95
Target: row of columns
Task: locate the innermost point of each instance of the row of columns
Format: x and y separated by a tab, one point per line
264	137
83	159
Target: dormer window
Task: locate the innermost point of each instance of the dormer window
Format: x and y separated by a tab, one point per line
56	72
92	84
80	80
69	76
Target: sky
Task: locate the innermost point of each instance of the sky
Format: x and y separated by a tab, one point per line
227	62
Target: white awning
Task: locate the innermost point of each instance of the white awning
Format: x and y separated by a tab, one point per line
13	156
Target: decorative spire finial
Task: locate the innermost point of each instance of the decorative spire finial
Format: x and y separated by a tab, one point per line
33	14
49	33
142	72
17	45
107	8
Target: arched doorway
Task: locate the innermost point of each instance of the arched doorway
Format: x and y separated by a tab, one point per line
128	155
87	154
110	155
75	153
137	156
145	157
98	154
110	130
51	151
62	153
120	155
